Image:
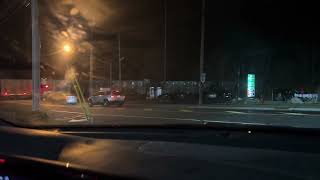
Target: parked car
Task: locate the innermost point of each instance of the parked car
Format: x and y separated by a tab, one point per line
55	97
106	98
218	96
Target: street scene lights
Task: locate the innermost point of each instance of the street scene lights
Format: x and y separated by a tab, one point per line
67	48
71	76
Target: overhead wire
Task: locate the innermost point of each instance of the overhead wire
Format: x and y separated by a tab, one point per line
14	11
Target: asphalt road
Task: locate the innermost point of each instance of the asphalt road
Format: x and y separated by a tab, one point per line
143	114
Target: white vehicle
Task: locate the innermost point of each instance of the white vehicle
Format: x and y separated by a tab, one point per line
106	98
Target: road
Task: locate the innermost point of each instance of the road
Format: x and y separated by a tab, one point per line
142	114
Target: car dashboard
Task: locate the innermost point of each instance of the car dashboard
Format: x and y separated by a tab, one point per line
161	154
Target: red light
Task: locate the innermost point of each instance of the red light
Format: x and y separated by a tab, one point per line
6	93
47	86
24	93
2	161
112	96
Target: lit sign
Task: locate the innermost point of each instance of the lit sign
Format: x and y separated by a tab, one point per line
251	88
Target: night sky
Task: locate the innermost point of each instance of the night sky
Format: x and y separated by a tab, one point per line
277	41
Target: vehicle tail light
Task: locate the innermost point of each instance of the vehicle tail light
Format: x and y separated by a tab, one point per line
24	93
112	96
6	93
2	161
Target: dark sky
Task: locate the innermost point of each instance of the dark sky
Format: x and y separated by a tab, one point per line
14	31
265	37
140	23
276	40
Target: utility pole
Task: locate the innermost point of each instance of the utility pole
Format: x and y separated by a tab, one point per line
91	73
312	66
105	67
238	82
202	50
165	42
110	71
91	64
35	56
119	60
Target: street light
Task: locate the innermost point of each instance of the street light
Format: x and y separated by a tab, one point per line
120	71
67	48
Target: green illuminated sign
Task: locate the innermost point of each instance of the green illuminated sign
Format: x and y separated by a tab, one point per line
251	88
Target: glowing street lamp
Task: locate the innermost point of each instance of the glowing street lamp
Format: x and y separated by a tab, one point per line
67	48
71	76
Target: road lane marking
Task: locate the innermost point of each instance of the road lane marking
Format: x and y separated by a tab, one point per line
236	112
185	110
78	120
16	102
305	109
120	108
72	119
166	118
60	105
181	119
145	117
295	114
70	112
237	122
235	108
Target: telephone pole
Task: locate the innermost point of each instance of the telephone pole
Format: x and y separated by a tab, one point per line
91	72
165	42
110	76
35	56
119	61
238	82
202	51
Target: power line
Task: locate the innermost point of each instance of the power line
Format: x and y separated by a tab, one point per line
7	7
15	10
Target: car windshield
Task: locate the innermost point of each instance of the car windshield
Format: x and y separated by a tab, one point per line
159	62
